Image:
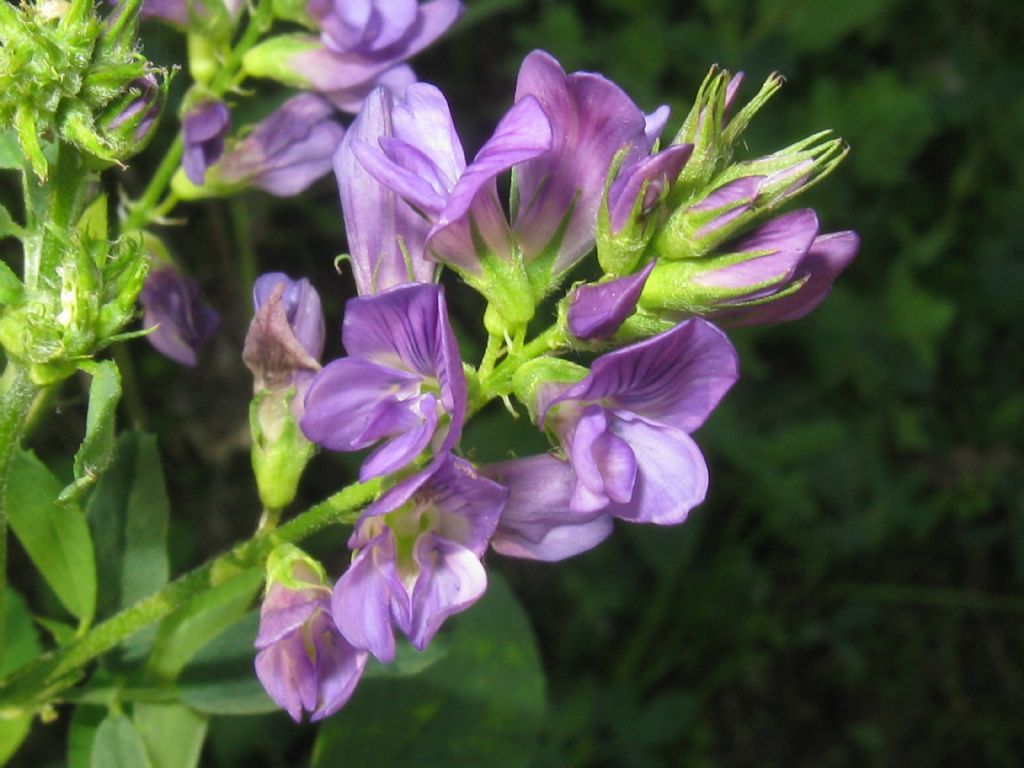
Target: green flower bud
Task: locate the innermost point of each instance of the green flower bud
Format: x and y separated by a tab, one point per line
272	59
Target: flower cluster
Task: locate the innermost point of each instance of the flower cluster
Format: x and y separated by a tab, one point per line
349	50
682	233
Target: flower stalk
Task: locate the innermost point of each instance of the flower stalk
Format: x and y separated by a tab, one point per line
42	681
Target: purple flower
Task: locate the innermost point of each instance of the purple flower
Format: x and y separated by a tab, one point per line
304	663
203	129
428	169
402	382
361	45
385	234
538	522
625	430
418	557
560	136
808	286
286	152
286	336
592	120
170	301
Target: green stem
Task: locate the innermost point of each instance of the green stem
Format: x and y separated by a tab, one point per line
39	682
499	382
142	210
153	202
17	392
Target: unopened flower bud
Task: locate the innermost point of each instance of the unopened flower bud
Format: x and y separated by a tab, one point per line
203	128
285	340
774	263
304	663
170	302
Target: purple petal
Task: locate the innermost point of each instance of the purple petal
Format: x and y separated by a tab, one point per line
656	172
676	378
599	309
288	150
523	133
618	466
655	122
344	76
589	494
591	120
407	327
729	201
203	130
411	437
377	221
302	307
287	674
451	579
352	403
285	610
538	523
828	256
672	476
395	80
170	301
368	596
469	504
339	666
784	241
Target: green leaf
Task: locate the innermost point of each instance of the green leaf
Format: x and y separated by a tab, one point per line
12	734
85	721
93	223
173	735
22	645
97	450
8	227
11	157
483	704
11	288
185	632
55	536
118	745
220	679
128	512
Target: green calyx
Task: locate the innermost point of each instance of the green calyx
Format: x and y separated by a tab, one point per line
280	451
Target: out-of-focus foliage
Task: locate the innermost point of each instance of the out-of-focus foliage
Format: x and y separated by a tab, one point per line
852	592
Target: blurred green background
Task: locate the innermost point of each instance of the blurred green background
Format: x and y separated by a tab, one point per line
852	591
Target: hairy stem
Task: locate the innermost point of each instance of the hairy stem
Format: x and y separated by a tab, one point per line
41	681
17	393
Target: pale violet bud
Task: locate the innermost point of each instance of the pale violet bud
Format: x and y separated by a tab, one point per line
282	347
283	154
171	306
203	130
784	263
303	661
631	209
790	171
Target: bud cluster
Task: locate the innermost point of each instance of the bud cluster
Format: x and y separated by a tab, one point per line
68	75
